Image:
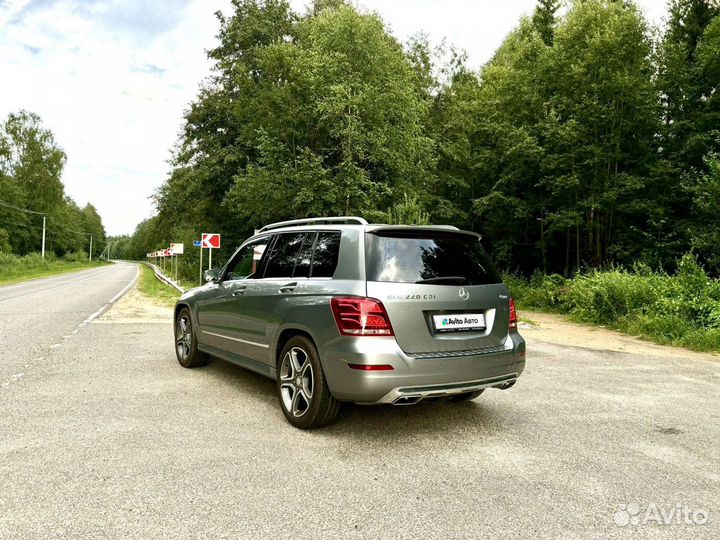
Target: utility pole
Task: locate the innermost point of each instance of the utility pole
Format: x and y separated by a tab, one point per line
90	254
43	240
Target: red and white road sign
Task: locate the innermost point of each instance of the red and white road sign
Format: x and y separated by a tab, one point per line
210	240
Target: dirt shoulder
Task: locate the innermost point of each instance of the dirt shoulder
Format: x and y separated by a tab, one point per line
556	329
136	307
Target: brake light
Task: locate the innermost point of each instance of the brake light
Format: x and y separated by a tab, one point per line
512	325
359	316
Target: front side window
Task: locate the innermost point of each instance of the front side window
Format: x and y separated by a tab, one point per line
284	255
247	261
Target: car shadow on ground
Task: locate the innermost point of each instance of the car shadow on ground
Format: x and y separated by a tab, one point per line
381	422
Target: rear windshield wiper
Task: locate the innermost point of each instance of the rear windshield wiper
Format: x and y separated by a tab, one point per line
444	279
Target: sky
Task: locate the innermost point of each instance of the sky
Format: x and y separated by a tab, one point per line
111	78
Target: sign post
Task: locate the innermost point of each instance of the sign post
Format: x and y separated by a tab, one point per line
210	241
198	243
177	249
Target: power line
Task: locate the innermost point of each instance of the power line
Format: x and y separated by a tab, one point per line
8	205
20	224
43	228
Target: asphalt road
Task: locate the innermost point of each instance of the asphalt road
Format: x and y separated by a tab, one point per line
106	436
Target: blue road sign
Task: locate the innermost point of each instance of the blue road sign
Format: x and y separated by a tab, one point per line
196	243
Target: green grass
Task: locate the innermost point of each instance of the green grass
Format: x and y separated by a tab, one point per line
153	287
14	268
681	309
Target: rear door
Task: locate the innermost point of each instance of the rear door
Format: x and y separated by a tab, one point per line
440	290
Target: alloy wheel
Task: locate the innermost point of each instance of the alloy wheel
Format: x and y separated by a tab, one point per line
183	337
297	382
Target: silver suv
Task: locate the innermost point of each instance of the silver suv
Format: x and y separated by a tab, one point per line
337	310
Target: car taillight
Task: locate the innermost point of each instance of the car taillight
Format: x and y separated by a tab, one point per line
512	325
359	316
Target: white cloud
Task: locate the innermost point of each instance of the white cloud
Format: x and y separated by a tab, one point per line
111	78
112	94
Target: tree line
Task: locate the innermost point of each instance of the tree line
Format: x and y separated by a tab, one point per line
589	138
31	167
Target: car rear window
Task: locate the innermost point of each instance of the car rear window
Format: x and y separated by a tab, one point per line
435	258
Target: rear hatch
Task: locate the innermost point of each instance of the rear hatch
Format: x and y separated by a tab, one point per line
439	287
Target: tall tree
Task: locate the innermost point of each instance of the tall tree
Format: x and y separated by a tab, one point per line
685	86
688	94
544	19
313	115
31	166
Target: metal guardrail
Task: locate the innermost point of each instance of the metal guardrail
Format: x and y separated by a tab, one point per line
162	277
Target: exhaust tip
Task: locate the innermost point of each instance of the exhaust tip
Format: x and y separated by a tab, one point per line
407	400
507	385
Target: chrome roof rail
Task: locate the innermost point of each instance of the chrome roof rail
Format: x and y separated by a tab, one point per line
349	220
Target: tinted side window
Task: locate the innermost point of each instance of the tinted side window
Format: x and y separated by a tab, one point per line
302	267
325	256
284	255
247	261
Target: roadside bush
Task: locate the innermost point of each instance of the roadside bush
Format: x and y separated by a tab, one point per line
681	309
77	256
31	261
14	267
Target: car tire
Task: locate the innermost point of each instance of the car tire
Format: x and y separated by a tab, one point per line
305	398
186	344
466	396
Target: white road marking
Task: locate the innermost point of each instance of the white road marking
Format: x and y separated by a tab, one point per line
55	286
114	299
104	307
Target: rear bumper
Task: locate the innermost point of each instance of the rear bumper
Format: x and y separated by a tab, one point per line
413	376
408	395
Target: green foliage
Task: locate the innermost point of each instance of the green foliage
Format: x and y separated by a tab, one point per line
314	115
682	309
544	19
22	267
153	287
587	141
408	212
5	246
31	165
77	256
687	83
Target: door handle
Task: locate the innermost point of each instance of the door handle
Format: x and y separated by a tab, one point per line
239	291
289	287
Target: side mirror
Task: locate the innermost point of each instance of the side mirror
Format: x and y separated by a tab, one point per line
212	275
